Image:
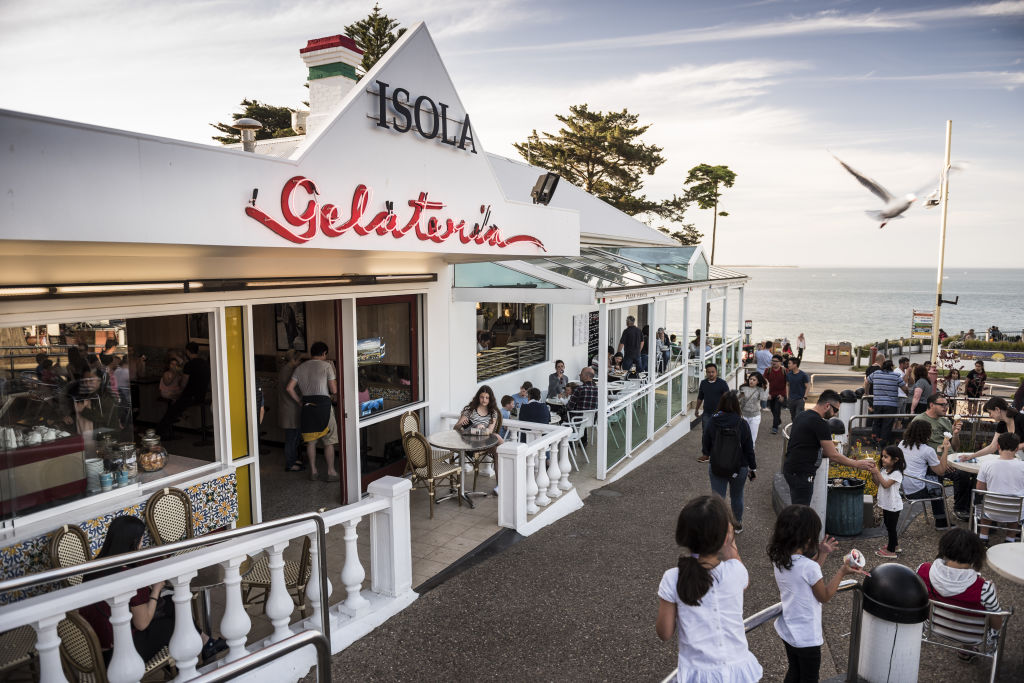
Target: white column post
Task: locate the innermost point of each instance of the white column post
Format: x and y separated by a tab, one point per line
703	341
390	538
651	362
512	478
555	467
543	481
686	351
279	603
531	481
313	587
602	392
186	643
126	666
564	467
48	647
235	624
352	572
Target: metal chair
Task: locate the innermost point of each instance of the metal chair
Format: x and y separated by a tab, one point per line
929	485
69	547
256	582
83	659
169	516
970	631
424	466
995	511
579	421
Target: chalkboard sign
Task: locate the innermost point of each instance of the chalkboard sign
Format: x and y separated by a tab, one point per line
594	334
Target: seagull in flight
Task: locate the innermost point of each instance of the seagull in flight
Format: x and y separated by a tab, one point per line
894	206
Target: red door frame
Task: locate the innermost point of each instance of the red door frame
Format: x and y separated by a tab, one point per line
398	468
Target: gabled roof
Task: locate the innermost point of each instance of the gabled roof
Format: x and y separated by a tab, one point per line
600	222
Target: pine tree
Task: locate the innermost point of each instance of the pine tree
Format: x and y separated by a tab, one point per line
374	35
704	181
277	122
601	153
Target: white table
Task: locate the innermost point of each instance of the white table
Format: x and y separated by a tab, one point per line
462	442
1007	560
555	418
557	401
970	467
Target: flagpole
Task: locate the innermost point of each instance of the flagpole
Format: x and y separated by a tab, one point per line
942	246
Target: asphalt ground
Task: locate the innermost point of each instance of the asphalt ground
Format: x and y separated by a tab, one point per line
578	599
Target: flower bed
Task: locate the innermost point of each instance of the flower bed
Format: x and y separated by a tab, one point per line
858	453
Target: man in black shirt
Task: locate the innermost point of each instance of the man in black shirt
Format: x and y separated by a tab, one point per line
809	440
631	344
709	393
197	381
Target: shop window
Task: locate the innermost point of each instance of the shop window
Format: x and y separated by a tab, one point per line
77	399
387	353
509	337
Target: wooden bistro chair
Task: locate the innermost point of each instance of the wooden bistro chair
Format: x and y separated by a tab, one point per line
427	467
82	657
18	656
69	547
169	516
968	631
256	582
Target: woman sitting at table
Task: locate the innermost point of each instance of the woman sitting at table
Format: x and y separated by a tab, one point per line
152	618
1007	418
482	413
557	380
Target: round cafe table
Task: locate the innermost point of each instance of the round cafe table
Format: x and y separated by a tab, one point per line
463	442
971	467
557	401
555	418
1007	560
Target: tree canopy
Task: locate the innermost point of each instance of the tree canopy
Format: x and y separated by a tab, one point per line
277	122
374	35
703	188
601	153
674	211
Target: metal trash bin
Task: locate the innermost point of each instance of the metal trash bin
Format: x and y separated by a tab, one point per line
844	508
895	606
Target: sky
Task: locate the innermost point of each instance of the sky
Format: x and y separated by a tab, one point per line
767	87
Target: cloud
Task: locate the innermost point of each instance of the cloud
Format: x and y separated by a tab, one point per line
822	23
1007	80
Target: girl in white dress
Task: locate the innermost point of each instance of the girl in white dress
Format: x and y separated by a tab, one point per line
702	598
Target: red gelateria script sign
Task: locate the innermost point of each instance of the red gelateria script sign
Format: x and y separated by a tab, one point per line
327	219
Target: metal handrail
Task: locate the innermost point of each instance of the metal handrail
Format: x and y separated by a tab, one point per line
92	566
250	662
764	616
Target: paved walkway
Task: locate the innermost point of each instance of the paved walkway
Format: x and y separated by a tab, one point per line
577	600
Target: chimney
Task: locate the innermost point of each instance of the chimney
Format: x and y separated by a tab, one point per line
332	63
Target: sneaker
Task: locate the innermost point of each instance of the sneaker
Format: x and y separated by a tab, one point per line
704	458
495	491
882	552
962	516
775	430
737	528
899	550
211	649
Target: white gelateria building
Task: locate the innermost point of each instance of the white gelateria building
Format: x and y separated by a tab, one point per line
386	231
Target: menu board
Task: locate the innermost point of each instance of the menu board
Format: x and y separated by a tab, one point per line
594	334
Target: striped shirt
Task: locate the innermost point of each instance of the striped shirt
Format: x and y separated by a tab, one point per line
885	387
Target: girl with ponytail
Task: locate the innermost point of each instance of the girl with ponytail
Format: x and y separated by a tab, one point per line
702	598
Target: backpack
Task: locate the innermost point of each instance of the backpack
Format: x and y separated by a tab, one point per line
726	453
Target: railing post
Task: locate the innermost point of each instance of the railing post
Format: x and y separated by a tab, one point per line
279	603
390	538
564	467
512	482
543	481
235	624
48	647
186	643
126	666
555	467
352	573
531	482
313	587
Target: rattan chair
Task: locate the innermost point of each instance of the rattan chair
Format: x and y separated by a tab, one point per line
169	516
18	656
69	547
968	631
995	511
256	582
429	468
83	659
409	422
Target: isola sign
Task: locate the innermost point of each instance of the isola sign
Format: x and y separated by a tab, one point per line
428	118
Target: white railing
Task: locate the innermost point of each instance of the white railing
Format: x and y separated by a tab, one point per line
534	489
387	508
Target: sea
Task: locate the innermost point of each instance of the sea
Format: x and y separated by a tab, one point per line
863	305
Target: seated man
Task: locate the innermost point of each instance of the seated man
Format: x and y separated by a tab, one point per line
534	410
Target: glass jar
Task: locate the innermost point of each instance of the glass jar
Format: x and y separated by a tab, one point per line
129	459
153	456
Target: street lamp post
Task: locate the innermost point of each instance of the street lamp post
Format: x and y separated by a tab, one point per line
942	249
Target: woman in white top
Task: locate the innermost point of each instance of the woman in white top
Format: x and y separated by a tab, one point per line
702	598
753	395
798	558
924	463
801	344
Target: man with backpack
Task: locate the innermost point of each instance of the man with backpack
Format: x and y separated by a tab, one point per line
730	450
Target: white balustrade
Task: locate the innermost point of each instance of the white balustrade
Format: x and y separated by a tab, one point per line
126	666
543	482
563	465
48	647
531	482
555	469
235	624
279	602
313	587
352	573
186	643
